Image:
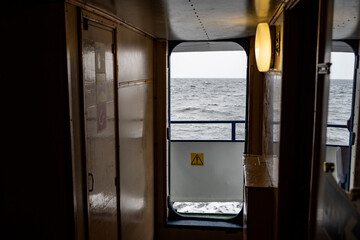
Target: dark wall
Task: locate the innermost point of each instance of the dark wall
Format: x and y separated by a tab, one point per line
297	119
36	192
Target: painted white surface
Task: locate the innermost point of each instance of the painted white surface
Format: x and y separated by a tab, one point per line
334	155
219	180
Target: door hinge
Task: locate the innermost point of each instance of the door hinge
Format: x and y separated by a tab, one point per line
324	68
113	48
116	181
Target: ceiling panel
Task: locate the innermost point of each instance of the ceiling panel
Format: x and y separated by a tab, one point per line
346	19
192	19
216	19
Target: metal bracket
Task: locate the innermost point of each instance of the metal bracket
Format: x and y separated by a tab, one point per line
90	182
328	167
324	68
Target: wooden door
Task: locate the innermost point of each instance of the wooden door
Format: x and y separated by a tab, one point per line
100	137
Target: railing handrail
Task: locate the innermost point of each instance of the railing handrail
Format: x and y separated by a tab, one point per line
207	121
336	125
232	122
238	121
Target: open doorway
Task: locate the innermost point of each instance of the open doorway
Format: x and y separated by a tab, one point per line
341	112
207	99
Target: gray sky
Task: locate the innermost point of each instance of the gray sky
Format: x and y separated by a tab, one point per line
208	64
342	65
233	65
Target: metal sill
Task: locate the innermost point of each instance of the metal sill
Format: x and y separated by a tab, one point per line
190	223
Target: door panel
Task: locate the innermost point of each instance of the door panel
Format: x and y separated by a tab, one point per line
99	117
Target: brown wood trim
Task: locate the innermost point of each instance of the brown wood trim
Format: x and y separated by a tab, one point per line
278	12
103	21
160	132
90	8
255	105
75	109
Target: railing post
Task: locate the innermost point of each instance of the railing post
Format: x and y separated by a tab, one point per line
233	131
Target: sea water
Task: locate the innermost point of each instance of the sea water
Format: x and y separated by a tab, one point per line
207	99
225	99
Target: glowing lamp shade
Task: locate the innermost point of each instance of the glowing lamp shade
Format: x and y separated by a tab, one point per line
263	47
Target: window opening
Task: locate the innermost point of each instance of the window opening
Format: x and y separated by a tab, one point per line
207	116
338	149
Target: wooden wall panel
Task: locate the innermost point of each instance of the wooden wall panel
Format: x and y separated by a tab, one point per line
135	107
135	56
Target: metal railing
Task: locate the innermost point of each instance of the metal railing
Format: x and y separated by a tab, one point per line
232	122
340	144
337	126
233	126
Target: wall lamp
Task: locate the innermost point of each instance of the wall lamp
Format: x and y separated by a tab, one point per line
263	47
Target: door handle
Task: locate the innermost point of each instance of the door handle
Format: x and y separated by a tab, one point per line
90	182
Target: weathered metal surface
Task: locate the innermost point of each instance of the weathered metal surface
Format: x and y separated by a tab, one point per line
260	196
260	171
337	215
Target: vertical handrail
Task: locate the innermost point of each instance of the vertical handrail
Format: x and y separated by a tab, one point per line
233	131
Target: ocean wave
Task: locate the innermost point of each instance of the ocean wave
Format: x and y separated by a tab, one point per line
224	99
188	109
208	207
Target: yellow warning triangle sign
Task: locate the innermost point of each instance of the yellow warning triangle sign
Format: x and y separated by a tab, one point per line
197	159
